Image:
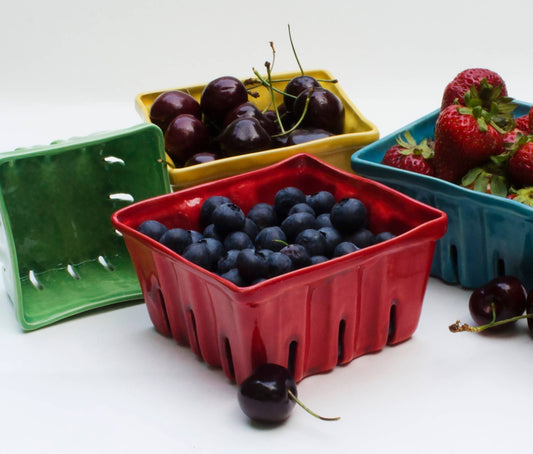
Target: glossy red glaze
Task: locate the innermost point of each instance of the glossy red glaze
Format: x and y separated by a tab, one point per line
308	320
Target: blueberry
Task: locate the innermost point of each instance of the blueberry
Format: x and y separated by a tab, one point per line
361	238
250	228
215	250
176	239
383	236
323	220
298	255
197	254
228	217
227	261
272	238
301	208
211	232
235	277
278	264
195	236
251	264
318	259
343	248
238	240
285	198
209	205
332	237
321	201
263	215
292	225
153	229
348	215
313	241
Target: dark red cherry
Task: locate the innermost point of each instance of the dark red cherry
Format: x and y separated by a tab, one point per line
325	110
529	311
185	136
220	96
503	297
201	158
244	135
264	395
250	110
170	104
295	86
299	135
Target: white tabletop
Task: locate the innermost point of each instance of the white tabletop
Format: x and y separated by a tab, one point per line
106	381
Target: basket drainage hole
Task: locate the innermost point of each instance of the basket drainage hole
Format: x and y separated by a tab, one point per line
392	323
122	196
35	282
291	363
342	328
102	261
229	358
500	266
114	160
73	273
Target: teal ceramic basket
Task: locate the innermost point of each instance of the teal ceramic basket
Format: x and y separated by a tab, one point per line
59	253
487	235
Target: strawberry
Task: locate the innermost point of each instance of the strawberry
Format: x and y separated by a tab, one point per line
467	135
530	118
407	154
462	83
524	195
522	123
520	165
489	179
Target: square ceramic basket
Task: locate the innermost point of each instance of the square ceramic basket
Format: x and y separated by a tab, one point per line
59	252
310	319
335	150
487	235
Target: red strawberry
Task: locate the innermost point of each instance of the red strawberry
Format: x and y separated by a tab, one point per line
531	119
461	143
406	154
489	179
461	83
510	137
520	166
522	123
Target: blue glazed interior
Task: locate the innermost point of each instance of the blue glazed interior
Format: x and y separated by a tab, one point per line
487	235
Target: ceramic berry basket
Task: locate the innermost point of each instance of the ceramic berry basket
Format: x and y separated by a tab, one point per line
487	235
59	252
310	319
335	150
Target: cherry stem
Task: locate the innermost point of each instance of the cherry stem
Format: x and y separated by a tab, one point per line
294	50
271	89
458	327
311	412
301	117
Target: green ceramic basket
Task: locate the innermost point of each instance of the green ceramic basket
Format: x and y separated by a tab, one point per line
59	253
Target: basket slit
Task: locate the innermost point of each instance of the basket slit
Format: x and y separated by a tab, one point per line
230	369
73	273
500	267
454	258
193	334
392	322
291	360
122	196
35	282
114	160
342	329
102	261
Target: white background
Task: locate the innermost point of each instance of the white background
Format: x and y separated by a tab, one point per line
107	381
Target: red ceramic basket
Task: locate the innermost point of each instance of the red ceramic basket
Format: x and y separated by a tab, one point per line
308	320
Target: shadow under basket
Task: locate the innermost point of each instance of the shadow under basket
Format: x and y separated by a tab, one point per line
308	320
59	253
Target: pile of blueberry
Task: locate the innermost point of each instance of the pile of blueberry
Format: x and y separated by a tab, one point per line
296	231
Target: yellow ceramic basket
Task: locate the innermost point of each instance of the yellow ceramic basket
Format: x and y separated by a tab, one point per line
335	150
